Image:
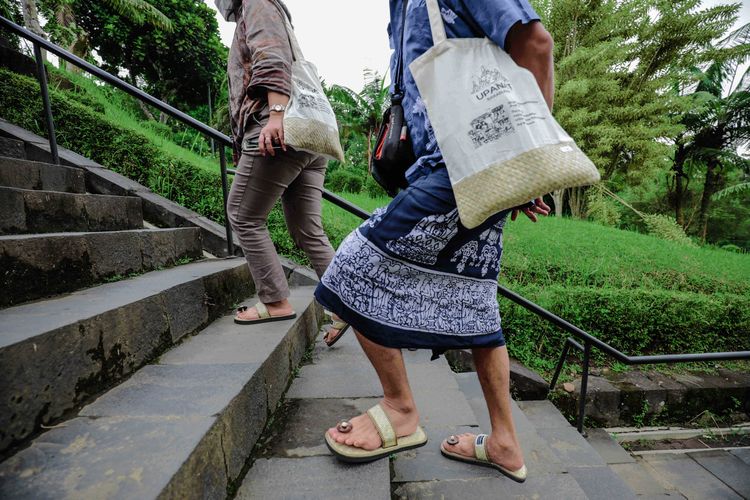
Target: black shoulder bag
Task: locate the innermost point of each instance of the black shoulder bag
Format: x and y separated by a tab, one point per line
394	153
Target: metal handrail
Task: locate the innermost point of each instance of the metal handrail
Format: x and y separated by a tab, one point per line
589	341
222	139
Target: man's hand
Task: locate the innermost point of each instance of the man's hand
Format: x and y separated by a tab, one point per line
272	135
539	207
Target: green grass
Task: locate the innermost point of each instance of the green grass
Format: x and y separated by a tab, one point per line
339	223
119	108
579	253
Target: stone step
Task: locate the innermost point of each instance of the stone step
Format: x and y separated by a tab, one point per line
427	474
42	265
181	428
26	211
293	461
56	354
11	148
23	174
683	475
552	447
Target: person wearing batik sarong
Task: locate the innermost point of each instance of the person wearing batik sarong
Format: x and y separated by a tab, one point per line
413	276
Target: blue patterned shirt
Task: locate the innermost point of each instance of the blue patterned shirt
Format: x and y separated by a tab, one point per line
462	19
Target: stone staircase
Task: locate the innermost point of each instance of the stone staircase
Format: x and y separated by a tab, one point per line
124	375
293	462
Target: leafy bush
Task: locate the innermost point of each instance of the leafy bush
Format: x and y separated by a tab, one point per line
343	179
635	321
130	153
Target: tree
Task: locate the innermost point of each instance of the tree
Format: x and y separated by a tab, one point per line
178	65
717	125
615	61
361	112
63	28
9	9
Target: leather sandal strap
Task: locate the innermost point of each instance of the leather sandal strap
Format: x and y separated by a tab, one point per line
339	325
262	311
383	425
479	447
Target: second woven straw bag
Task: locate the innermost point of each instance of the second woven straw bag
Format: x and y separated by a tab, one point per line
309	121
500	143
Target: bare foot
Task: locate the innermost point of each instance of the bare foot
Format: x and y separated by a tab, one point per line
364	435
281	308
503	451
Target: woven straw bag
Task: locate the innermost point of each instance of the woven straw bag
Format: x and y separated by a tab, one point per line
500	143
309	121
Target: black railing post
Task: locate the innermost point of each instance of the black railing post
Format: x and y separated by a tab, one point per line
211	117
560	365
584	386
42	74
225	192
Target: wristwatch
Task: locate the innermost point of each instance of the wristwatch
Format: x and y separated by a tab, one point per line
277	108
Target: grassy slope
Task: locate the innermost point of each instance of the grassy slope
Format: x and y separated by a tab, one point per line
578	253
117	108
571	252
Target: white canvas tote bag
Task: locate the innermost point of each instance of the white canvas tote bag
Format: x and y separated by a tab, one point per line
309	121
500	143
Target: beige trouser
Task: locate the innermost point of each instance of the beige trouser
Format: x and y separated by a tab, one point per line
297	178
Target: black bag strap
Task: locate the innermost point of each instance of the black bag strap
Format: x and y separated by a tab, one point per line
398	77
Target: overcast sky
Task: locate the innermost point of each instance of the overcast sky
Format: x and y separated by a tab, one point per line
344	37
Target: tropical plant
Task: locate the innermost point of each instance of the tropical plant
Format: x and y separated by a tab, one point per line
731	190
64	27
360	113
717	127
615	60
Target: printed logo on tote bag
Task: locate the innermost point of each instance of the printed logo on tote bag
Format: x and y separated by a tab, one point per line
489	84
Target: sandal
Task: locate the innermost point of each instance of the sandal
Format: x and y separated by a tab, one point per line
391	444
263	315
480	452
331	339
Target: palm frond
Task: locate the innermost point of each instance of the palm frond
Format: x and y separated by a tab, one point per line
740	36
731	190
142	12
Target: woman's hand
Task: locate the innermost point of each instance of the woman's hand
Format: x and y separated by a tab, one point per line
272	135
539	207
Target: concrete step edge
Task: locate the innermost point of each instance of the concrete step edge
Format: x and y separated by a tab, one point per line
12	148
24	211
112	197
214	424
57	353
27	174
43	265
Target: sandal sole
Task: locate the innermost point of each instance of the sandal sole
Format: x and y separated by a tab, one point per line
337	337
264	320
473	461
365	458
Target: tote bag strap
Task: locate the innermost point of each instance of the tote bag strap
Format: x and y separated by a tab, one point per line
436	22
296	50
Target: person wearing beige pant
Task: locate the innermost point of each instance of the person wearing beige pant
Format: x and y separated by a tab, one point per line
297	178
260	83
